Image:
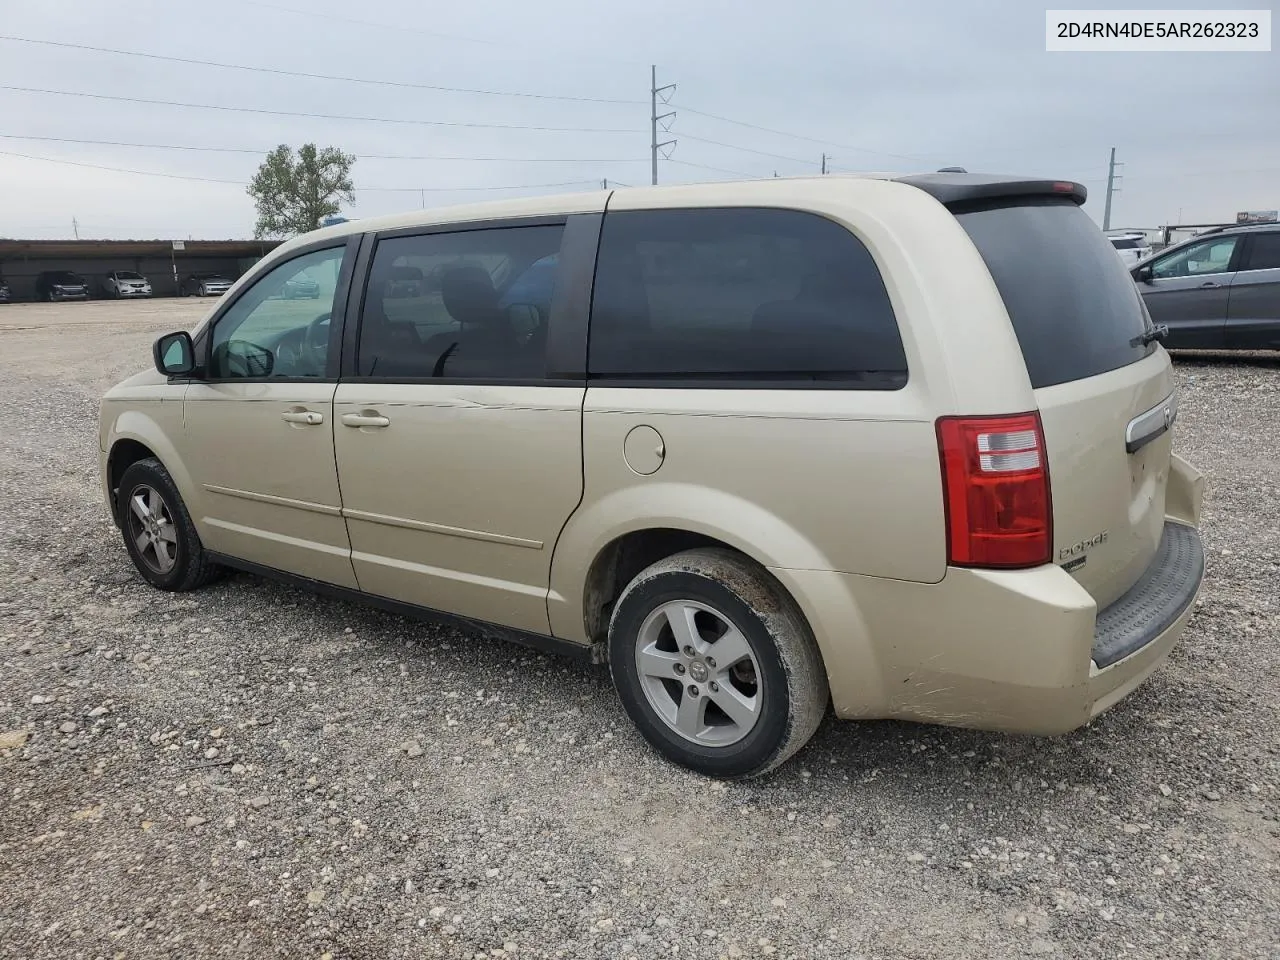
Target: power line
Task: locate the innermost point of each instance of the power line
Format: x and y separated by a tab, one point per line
734	146
314	116
359	156
190	61
523	186
400	28
143	173
798	136
244	183
613	60
703	166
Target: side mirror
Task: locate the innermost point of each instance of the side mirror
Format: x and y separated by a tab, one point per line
174	354
1143	274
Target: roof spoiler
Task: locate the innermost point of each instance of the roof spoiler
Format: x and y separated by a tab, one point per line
950	188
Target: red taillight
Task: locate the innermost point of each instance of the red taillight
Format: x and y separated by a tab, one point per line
995	477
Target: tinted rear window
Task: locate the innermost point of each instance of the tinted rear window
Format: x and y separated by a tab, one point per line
1264	252
1124	243
1075	309
740	296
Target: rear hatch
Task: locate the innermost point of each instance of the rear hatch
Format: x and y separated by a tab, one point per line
1104	390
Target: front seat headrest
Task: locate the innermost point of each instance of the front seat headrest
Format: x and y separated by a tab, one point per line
469	295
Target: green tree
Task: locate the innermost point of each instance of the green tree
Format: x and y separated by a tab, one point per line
294	194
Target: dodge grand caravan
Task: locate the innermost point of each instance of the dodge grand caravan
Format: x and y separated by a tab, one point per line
900	446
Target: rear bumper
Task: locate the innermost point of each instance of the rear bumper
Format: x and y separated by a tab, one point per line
1023	651
1153	604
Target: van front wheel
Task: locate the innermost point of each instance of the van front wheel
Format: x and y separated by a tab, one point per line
715	664
158	531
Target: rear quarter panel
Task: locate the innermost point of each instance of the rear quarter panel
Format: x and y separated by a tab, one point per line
817	479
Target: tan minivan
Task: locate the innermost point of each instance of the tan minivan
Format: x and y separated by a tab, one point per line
898	445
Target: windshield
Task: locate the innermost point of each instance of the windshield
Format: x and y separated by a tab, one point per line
1075	309
127	275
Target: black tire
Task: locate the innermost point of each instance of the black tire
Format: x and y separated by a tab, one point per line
792	692
191	567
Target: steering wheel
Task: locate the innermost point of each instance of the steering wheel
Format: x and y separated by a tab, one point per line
315	342
243	358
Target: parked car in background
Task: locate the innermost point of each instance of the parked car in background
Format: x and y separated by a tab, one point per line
1131	247
205	285
6	295
761	447
1219	290
405	282
301	287
126	283
55	285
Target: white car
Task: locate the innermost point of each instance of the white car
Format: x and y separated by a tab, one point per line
1132	247
126	283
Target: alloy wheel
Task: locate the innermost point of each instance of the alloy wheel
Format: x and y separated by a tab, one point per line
698	673
152	530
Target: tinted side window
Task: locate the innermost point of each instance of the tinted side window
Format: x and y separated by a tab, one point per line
1264	254
740	295
1208	256
472	305
269	332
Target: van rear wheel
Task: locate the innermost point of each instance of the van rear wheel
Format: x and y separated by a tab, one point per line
715	664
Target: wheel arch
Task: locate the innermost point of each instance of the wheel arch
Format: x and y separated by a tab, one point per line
654	521
681	514
136	436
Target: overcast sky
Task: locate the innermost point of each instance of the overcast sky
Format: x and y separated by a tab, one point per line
903	86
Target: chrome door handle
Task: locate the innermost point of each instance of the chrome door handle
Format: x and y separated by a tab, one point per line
302	416
364	420
1208	285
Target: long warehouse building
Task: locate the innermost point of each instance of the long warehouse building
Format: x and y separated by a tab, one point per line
166	263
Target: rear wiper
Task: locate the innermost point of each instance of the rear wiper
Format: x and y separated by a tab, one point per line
1151	336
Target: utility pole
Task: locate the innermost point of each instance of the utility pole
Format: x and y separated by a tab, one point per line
657	93
75	228
824	164
1111	188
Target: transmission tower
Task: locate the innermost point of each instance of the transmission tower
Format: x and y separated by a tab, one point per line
658	95
1112	187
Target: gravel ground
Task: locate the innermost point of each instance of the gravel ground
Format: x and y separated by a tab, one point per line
250	771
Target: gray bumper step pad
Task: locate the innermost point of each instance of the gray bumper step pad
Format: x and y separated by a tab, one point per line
1151	605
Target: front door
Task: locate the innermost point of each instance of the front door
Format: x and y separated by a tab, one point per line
1188	291
259	425
1253	315
460	461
